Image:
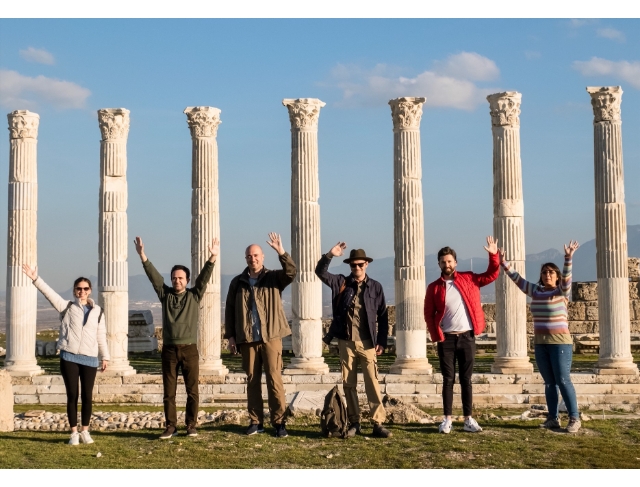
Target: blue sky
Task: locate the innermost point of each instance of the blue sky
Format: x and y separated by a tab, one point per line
67	69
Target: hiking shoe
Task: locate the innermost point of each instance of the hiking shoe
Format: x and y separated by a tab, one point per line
354	429
75	438
255	428
552	424
169	432
381	432
191	430
574	425
281	431
446	426
85	437
471	425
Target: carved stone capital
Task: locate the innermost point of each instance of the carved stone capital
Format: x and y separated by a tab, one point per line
114	123
406	112
504	108
605	101
203	121
23	124
303	112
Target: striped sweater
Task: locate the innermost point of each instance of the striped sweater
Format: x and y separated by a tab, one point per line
548	307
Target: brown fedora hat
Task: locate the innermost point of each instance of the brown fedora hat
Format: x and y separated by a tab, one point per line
357	254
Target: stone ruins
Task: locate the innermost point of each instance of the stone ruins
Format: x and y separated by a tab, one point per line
411	374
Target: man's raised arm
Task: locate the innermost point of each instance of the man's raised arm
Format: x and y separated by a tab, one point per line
157	281
205	274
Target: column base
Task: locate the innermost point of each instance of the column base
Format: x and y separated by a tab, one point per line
631	369
213	367
512	365
120	370
307	366
24	370
411	366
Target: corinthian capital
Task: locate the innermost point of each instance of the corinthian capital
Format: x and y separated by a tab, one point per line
114	123
303	112
406	112
203	121
23	124
605	102
505	108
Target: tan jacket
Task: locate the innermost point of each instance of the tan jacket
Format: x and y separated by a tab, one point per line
90	339
268	295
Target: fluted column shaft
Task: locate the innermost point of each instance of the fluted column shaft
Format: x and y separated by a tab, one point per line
611	234
205	226
305	237
21	297
408	238
508	228
113	271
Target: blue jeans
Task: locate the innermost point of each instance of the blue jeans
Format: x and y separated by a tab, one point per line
554	363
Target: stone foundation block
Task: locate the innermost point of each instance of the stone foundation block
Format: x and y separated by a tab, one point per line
593	388
211	379
290	388
408	379
102	379
235	379
583	378
428	399
426	388
305	379
51	390
396	388
313	387
24	389
152	398
233	389
331	378
533	388
53	399
505	388
28	399
625	388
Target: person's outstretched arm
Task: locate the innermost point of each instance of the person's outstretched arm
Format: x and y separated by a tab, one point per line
289	271
157	281
334	281
525	286
205	274
565	281
57	301
493	269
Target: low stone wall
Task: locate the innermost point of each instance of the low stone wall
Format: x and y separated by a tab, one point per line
490	390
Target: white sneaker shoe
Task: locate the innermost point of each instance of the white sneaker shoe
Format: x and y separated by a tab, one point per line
85	437
471	425
75	438
446	426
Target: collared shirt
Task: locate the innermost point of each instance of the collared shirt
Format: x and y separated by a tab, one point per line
456	317
357	318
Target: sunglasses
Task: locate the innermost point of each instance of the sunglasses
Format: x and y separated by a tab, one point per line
83	289
361	265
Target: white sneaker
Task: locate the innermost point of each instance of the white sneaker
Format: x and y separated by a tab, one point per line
446	426
85	437
75	438
471	425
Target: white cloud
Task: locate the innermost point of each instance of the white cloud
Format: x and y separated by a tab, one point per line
577	23
532	55
37	55
624	70
18	91
609	33
449	84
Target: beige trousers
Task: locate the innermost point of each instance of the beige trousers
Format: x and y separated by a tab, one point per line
364	353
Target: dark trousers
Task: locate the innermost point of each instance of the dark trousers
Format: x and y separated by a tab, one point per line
255	355
187	358
460	348
71	372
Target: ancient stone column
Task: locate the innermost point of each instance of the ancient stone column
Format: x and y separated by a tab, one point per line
611	234
408	238
205	225
305	237
22	246
508	229
113	272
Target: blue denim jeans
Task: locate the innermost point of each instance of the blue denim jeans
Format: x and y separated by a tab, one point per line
554	363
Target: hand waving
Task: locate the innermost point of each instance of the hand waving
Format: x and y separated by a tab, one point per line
32	273
214	249
338	249
140	248
571	248
492	245
275	242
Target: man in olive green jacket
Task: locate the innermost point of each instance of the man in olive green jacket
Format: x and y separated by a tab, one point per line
255	324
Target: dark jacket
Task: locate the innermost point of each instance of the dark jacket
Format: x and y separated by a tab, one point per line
341	301
268	295
179	311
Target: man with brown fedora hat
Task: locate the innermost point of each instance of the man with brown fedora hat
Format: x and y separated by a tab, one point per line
360	323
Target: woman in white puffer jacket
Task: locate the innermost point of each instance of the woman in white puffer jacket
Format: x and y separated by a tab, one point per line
82	344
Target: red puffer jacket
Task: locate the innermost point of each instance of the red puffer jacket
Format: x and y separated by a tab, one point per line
469	285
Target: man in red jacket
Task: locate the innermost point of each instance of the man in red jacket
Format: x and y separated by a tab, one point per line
454	317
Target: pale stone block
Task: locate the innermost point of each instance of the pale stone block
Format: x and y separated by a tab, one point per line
26	389
212	379
505	388
26	399
313	387
236	379
593	388
583	378
331	378
426	389
152	398
51	389
43	379
290	388
397	388
53	399
625	388
108	380
306	379
533	388
408	379
233	389
427	399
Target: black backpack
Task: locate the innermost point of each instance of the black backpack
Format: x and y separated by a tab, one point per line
334	420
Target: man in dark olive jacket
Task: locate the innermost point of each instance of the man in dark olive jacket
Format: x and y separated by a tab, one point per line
180	310
358	305
255	324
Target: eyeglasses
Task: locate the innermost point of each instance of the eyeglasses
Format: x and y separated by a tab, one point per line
361	265
83	289
548	271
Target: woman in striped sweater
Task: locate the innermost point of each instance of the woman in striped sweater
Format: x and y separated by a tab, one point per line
553	342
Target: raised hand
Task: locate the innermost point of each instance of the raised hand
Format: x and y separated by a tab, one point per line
140	248
214	249
571	248
338	249
32	273
275	242
492	245
502	254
